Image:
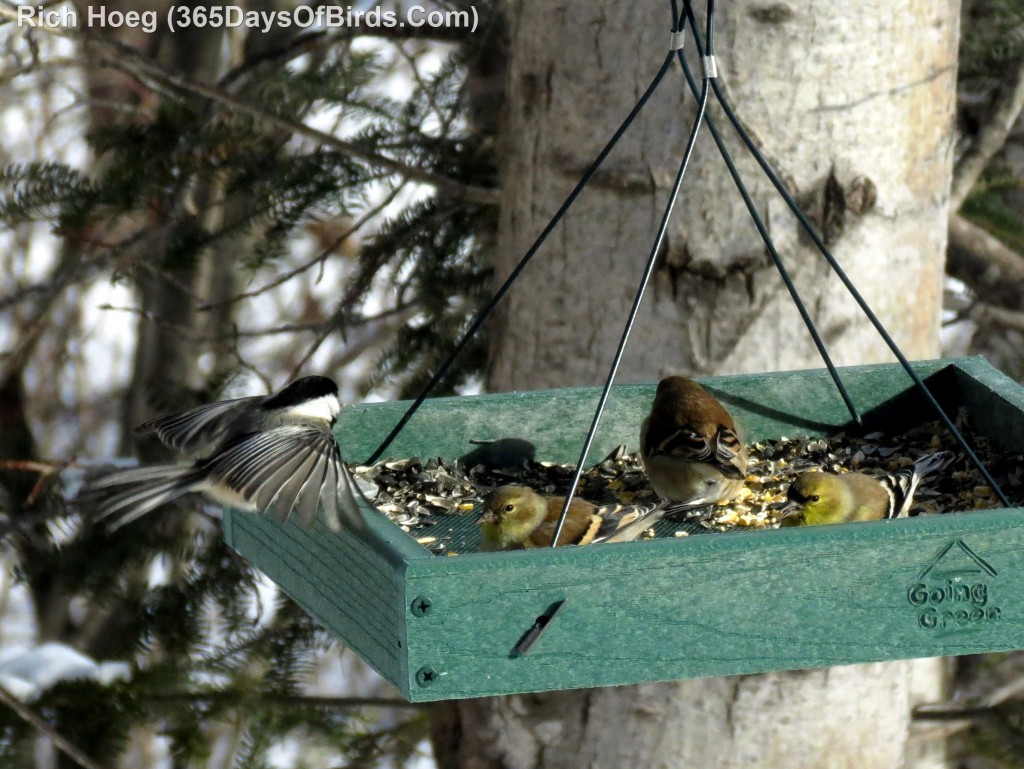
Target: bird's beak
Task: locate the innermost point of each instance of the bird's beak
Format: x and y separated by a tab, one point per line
789	509
487	516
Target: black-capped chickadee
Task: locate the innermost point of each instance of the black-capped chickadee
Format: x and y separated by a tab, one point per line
256	454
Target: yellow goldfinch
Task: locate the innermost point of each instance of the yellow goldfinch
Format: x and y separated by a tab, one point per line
690	446
517	517
822	498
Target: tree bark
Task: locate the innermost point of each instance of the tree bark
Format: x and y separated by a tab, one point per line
807	718
853	106
866	99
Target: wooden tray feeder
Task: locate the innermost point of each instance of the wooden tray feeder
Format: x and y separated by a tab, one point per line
718	604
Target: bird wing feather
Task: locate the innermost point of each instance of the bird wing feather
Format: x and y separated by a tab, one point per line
640	518
296	467
902	485
593	527
723	450
281	483
729	455
191	432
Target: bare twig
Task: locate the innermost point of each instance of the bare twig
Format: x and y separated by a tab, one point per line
992	270
368	334
357	344
47	293
129	60
319	258
62	744
31	466
1009	100
395	316
44	469
986	314
63	62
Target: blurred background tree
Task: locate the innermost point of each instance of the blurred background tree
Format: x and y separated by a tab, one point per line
194	215
207	213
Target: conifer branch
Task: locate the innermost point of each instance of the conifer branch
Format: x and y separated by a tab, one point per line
61	742
130	61
318	259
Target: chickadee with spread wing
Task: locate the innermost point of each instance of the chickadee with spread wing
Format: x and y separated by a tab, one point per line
689	445
823	498
517	518
256	454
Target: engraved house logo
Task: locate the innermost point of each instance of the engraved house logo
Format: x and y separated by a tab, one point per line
953	591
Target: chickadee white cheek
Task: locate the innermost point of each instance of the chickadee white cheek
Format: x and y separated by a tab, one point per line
325	407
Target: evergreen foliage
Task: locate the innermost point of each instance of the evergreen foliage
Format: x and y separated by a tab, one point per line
165	593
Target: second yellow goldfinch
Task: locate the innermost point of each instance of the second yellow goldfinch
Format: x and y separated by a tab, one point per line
823	498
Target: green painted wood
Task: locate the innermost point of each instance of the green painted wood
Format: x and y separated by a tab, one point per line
353	588
711	605
992	396
556	421
721	605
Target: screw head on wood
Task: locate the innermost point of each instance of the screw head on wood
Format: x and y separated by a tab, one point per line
426	676
420	606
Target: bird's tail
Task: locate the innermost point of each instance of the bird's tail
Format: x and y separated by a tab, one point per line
126	495
902	485
626	523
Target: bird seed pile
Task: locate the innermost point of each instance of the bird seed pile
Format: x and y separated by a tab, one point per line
437	502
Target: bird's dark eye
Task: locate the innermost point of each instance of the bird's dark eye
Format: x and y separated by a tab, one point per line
815	498
509	507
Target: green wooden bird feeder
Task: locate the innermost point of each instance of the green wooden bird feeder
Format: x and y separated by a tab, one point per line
718	604
723	604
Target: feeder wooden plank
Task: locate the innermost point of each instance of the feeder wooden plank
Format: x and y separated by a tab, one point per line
721	605
352	586
995	408
556	421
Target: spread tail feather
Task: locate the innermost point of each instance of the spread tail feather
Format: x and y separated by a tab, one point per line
901	486
134	493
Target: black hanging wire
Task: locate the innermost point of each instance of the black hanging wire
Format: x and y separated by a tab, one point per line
820	244
709	79
763	231
489	307
678	26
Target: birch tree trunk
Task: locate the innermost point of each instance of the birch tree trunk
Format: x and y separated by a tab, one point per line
853	106
861	94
